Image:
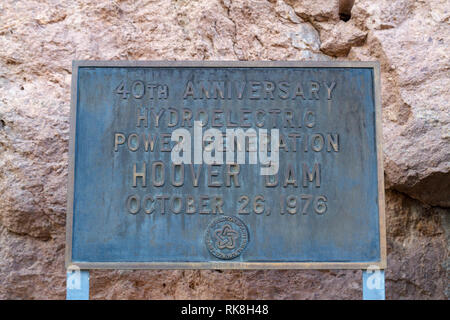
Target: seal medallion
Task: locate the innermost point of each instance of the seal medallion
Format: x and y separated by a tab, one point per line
226	237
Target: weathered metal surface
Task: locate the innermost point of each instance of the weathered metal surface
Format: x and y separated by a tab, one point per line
215	219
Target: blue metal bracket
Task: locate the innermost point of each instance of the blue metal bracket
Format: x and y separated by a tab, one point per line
373	284
77	284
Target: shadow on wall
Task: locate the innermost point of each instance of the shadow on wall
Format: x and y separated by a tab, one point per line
345	9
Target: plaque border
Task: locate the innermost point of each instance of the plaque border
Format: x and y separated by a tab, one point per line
374	65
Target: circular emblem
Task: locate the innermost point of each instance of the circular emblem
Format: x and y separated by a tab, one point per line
226	237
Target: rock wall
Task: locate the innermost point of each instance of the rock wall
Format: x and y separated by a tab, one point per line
39	40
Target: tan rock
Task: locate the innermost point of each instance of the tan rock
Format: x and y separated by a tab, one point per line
337	39
316	10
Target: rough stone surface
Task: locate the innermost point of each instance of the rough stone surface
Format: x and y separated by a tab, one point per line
39	39
411	40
